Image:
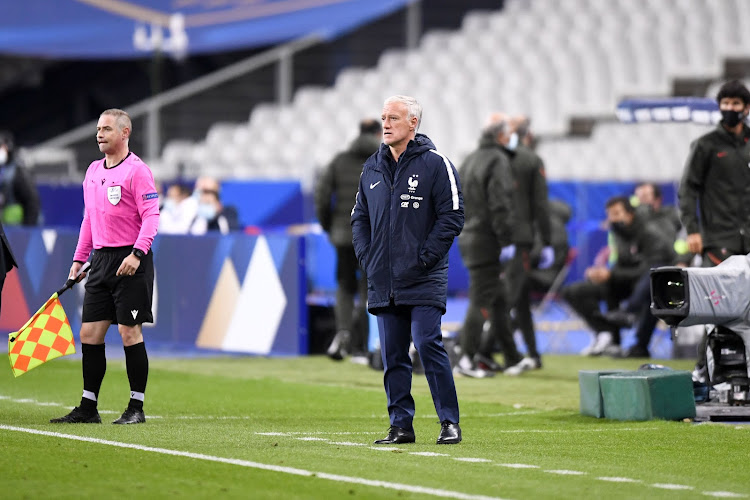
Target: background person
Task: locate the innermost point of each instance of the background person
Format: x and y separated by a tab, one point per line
211	215
486	239
637	246
19	198
178	211
530	202
335	190
714	193
7	260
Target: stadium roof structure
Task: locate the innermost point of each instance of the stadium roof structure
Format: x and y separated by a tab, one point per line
122	29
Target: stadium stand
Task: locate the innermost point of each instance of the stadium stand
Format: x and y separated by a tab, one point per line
554	60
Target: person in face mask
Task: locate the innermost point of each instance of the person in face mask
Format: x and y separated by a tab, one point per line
636	246
715	190
210	215
486	246
19	199
531	206
178	211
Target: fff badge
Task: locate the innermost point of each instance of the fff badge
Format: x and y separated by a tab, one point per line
114	194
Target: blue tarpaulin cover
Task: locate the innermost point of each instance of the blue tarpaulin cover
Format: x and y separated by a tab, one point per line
669	109
107	29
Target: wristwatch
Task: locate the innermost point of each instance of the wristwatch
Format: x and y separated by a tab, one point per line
138	253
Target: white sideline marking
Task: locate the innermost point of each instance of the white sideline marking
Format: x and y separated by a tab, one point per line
669	486
619	479
384	448
209	417
311	439
347	443
513	413
428	454
519	466
564	472
256	465
566	431
472	460
480	415
310	433
724	494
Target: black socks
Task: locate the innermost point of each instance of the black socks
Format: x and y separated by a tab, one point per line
136	361
94	364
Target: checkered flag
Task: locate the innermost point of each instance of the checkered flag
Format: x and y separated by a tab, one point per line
46	336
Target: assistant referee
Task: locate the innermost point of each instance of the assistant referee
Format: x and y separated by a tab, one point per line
120	221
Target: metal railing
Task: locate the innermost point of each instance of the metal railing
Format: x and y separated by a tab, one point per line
151	107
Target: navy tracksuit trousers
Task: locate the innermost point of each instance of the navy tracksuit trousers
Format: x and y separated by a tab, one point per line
397	326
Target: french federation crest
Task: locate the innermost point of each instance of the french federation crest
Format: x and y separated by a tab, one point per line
413	183
114	194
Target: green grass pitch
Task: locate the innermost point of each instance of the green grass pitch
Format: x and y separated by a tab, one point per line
245	427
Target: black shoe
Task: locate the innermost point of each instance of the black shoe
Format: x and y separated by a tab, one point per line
637	352
397	435
131	416
486	362
78	416
620	318
450	433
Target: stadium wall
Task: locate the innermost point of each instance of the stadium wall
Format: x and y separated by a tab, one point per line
236	293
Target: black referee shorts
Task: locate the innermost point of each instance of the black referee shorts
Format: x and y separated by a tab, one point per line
125	300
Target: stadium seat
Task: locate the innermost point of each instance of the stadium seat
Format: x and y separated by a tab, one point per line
551	59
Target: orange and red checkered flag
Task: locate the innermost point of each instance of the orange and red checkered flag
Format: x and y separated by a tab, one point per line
47	335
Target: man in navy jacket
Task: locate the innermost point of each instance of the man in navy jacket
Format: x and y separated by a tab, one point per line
409	209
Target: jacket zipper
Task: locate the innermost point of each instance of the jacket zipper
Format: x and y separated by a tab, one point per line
390	232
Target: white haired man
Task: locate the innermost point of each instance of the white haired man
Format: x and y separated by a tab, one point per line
408	211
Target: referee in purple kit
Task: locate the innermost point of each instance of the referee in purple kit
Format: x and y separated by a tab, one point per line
119	224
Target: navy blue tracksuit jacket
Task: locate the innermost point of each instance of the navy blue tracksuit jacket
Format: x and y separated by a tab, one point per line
404	221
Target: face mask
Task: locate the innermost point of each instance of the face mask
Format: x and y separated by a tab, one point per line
206	211
170	205
620	228
3	156
731	118
512	142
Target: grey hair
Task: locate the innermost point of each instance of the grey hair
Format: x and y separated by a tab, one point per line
495	128
413	108
122	118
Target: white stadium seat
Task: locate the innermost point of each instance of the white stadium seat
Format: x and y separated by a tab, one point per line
551	59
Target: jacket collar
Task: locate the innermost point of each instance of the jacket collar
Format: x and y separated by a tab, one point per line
734	139
420	144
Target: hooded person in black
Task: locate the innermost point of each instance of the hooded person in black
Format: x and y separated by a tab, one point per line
334	197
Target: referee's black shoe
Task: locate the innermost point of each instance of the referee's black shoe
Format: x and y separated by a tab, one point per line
450	433
131	416
397	435
78	416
